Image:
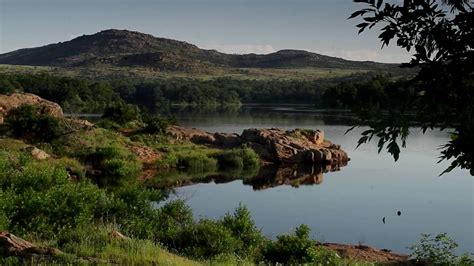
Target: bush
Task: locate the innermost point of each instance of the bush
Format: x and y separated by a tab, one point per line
121	113
157	124
173	218
27	122
115	162
207	239
291	249
38	199
439	250
238	159
243	228
196	161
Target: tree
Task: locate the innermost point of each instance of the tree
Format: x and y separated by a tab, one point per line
441	36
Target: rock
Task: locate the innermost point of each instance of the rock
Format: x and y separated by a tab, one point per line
272	145
227	140
75	124
315	136
191	134
15	100
37	153
297	146
11	245
117	235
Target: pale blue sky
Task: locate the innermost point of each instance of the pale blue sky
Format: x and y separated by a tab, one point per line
232	26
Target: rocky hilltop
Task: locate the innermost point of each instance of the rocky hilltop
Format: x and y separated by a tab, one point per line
130	48
274	146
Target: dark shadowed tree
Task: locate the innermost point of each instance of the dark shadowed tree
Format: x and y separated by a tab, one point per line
440	35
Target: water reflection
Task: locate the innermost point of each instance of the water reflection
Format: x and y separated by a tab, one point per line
349	205
295	176
266	178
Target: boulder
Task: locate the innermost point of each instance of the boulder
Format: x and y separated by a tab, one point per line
15	100
37	153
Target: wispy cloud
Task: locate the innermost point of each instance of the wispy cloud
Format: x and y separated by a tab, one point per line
240	48
369	55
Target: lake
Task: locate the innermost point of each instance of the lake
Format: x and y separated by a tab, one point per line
348	205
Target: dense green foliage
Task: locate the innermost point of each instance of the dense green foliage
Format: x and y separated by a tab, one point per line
77	95
28	123
40	201
121	113
441	36
439	250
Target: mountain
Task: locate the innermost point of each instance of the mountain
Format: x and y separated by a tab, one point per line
130	48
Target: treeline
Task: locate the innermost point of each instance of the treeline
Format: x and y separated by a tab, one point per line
78	95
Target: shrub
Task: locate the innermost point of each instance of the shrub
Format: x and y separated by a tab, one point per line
291	249
439	250
135	211
157	124
27	122
230	159
115	162
238	159
207	239
173	218
196	161
38	199
322	255
121	113
243	228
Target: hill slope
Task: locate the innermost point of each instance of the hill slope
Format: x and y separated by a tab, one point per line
129	48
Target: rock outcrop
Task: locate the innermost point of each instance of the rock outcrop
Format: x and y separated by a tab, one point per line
11	102
272	145
295	146
11	245
15	100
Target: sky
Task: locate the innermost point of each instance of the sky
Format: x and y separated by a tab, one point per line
231	26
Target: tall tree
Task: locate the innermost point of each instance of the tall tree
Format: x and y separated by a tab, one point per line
440	34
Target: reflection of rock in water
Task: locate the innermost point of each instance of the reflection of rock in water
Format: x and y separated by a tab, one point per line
294	175
268	177
290	157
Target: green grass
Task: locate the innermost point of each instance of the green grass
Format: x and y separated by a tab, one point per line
111	72
12	145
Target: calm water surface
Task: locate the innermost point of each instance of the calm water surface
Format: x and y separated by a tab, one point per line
348	206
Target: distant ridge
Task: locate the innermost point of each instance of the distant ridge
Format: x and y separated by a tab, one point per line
130	48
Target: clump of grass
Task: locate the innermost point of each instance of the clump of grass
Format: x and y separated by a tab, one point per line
197	161
238	159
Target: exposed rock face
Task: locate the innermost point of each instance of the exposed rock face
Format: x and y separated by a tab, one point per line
296	146
15	100
273	145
